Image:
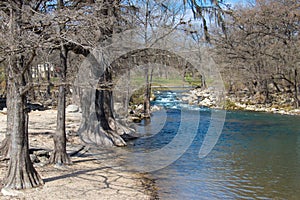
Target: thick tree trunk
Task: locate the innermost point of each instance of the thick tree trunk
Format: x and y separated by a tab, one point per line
21	173
105	116
99	126
104	112
59	155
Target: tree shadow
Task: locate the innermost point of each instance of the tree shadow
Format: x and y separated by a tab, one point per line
74	174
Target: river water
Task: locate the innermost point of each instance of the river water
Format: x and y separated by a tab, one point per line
256	157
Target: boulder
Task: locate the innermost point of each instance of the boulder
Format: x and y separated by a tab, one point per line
72	108
135	119
155	108
140	107
36	106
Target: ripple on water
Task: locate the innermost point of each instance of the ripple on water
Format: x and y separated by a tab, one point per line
256	157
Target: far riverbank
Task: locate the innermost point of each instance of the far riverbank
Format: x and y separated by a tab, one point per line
210	98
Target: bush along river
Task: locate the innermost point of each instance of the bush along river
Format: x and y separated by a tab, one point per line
257	155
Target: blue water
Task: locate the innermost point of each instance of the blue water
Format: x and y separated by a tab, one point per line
256	157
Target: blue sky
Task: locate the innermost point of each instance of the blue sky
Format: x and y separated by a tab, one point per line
234	2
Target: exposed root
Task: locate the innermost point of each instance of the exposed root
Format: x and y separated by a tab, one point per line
22	175
60	158
100	137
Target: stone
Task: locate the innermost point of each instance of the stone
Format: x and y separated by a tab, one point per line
185	98
72	108
42	153
296	111
135	119
155	108
43	159
34	158
140	107
4	111
36	106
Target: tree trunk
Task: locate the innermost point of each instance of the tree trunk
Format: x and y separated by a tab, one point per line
297	101
99	125
104	112
203	81
21	173
48	74
147	95
59	155
266	91
127	96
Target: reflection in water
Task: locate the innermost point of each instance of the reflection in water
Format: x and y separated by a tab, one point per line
256	157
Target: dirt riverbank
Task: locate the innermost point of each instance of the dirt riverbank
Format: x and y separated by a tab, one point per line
89	177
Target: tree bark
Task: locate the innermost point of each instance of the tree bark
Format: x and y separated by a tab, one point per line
127	97
297	101
59	154
104	112
21	173
147	95
99	126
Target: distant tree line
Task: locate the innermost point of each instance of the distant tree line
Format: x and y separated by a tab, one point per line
260	49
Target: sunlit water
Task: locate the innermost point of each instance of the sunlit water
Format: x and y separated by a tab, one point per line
256	157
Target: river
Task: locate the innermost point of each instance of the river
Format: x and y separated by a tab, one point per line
256	157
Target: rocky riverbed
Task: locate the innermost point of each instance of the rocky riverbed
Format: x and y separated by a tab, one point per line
212	99
89	177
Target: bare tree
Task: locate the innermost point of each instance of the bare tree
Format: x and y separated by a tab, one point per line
212	10
109	132
15	15
59	154
150	16
70	33
263	47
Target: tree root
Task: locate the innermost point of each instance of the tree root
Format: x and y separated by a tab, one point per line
22	175
60	158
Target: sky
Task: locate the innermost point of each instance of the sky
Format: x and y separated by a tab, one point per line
234	2
189	13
